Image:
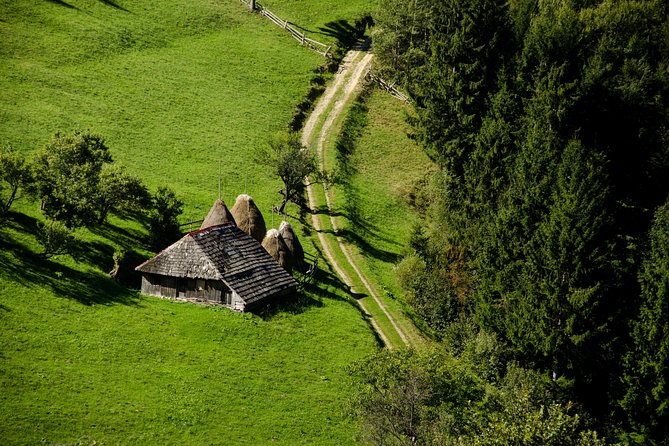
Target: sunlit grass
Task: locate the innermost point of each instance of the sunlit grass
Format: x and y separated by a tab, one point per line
174	89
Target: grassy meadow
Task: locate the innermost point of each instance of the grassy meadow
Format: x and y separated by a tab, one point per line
319	20
381	177
174	89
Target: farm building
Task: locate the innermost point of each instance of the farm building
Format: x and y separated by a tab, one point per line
219	264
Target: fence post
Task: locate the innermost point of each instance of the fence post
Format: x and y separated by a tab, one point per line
252	5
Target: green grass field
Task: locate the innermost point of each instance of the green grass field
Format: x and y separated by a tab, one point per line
376	218
318	19
174	89
148	371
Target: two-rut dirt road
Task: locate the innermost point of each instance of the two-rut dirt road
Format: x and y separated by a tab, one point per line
317	131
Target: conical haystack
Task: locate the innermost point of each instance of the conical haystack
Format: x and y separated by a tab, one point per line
218	215
293	244
276	247
248	217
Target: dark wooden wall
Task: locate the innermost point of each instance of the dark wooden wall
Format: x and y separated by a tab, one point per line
184	288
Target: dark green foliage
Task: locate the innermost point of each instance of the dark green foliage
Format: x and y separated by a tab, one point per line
67	176
469	394
400	42
647	363
15	174
465	48
78	183
286	158
430	292
163	218
549	121
55	238
120	192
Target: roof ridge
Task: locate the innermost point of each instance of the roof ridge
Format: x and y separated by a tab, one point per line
209	228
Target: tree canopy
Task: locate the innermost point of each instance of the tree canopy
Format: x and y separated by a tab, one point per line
549	121
288	159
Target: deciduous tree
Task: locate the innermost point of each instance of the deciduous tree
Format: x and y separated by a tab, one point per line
293	163
15	174
118	191
163	218
68	175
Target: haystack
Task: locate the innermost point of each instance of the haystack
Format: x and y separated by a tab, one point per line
248	217
218	215
276	247
294	245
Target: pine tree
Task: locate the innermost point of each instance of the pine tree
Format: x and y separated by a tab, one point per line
647	363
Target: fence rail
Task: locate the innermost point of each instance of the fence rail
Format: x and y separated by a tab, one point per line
388	87
315	45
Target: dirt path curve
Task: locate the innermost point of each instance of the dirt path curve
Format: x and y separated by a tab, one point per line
352	71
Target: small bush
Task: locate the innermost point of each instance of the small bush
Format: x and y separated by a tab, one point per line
55	238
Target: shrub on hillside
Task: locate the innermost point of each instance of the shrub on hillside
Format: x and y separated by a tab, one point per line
163	221
55	238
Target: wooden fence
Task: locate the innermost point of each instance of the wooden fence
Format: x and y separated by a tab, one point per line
388	87
315	45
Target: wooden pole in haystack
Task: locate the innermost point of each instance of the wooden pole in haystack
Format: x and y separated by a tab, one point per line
219	179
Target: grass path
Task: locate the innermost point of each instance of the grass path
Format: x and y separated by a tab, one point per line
319	128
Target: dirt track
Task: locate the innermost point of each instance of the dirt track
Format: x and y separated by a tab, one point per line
352	71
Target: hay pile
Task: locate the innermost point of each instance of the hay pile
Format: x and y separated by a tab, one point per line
276	247
218	215
248	217
294	246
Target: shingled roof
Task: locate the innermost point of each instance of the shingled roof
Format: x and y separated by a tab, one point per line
225	253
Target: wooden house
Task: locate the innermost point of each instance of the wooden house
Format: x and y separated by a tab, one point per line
219	264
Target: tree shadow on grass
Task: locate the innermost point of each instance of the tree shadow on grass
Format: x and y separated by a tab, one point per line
381	254
307	30
62	3
341	30
125	237
90	288
19	264
113	5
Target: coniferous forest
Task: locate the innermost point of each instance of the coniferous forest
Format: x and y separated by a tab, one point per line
543	268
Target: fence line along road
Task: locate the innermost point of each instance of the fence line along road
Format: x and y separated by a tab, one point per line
315	45
390	88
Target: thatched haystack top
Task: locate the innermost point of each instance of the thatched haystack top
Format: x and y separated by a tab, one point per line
218	215
224	253
248	217
293	244
276	247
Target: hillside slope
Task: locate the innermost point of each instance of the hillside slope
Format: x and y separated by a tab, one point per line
173	89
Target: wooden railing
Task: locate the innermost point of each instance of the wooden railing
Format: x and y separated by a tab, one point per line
388	87
315	45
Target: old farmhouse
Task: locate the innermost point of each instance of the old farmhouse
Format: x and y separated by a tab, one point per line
220	264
